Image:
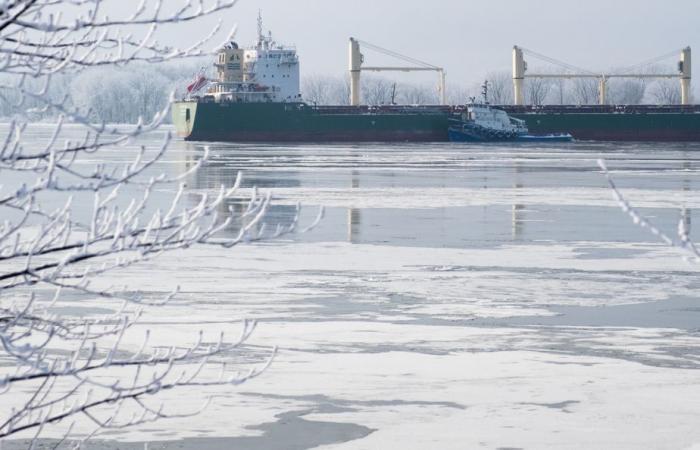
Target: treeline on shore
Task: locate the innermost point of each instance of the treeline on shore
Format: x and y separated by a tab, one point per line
112	95
123	95
583	91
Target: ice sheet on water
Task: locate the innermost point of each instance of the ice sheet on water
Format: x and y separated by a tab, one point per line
427	198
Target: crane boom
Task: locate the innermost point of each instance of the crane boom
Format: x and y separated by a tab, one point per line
356	67
520	73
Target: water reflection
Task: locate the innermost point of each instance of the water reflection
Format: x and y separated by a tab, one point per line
354	214
686	213
517	210
517	219
222	169
342	178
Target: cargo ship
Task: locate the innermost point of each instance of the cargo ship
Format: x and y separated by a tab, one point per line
256	97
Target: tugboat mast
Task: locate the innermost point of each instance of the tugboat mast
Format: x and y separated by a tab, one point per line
485	92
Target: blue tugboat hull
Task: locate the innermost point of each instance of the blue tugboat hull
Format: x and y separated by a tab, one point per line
462	136
546	138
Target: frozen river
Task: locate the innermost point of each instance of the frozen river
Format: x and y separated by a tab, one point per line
453	297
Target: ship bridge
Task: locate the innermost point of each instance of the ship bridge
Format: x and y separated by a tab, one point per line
264	72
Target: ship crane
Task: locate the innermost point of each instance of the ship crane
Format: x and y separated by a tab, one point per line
520	73
356	68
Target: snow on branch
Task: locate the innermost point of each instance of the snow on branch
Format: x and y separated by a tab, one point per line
45	36
70	218
682	241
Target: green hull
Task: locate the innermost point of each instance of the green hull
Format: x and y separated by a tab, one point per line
298	122
609	124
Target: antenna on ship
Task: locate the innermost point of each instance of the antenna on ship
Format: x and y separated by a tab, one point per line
260	28
485	92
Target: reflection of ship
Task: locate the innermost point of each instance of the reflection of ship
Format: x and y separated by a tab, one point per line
354	214
217	172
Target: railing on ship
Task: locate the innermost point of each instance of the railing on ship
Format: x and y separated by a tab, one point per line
510	109
601	109
530	109
383	109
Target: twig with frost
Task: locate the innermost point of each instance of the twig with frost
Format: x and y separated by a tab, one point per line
682	242
56	367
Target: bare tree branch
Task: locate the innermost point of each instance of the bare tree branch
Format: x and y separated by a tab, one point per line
57	367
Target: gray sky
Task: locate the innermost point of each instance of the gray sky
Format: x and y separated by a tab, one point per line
470	38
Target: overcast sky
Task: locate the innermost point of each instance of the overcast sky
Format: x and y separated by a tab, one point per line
469	38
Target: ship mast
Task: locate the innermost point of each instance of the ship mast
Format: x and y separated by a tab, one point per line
261	38
485	92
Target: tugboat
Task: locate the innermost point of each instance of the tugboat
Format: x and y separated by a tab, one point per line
481	122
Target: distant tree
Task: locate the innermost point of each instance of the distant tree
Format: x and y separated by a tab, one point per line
108	94
585	91
500	88
318	89
149	90
626	91
413	94
460	95
121	95
561	91
326	90
665	92
537	90
340	91
376	90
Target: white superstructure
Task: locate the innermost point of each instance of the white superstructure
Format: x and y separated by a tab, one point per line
266	72
493	119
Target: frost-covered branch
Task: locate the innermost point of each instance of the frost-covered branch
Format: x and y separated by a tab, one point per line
682	241
72	214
